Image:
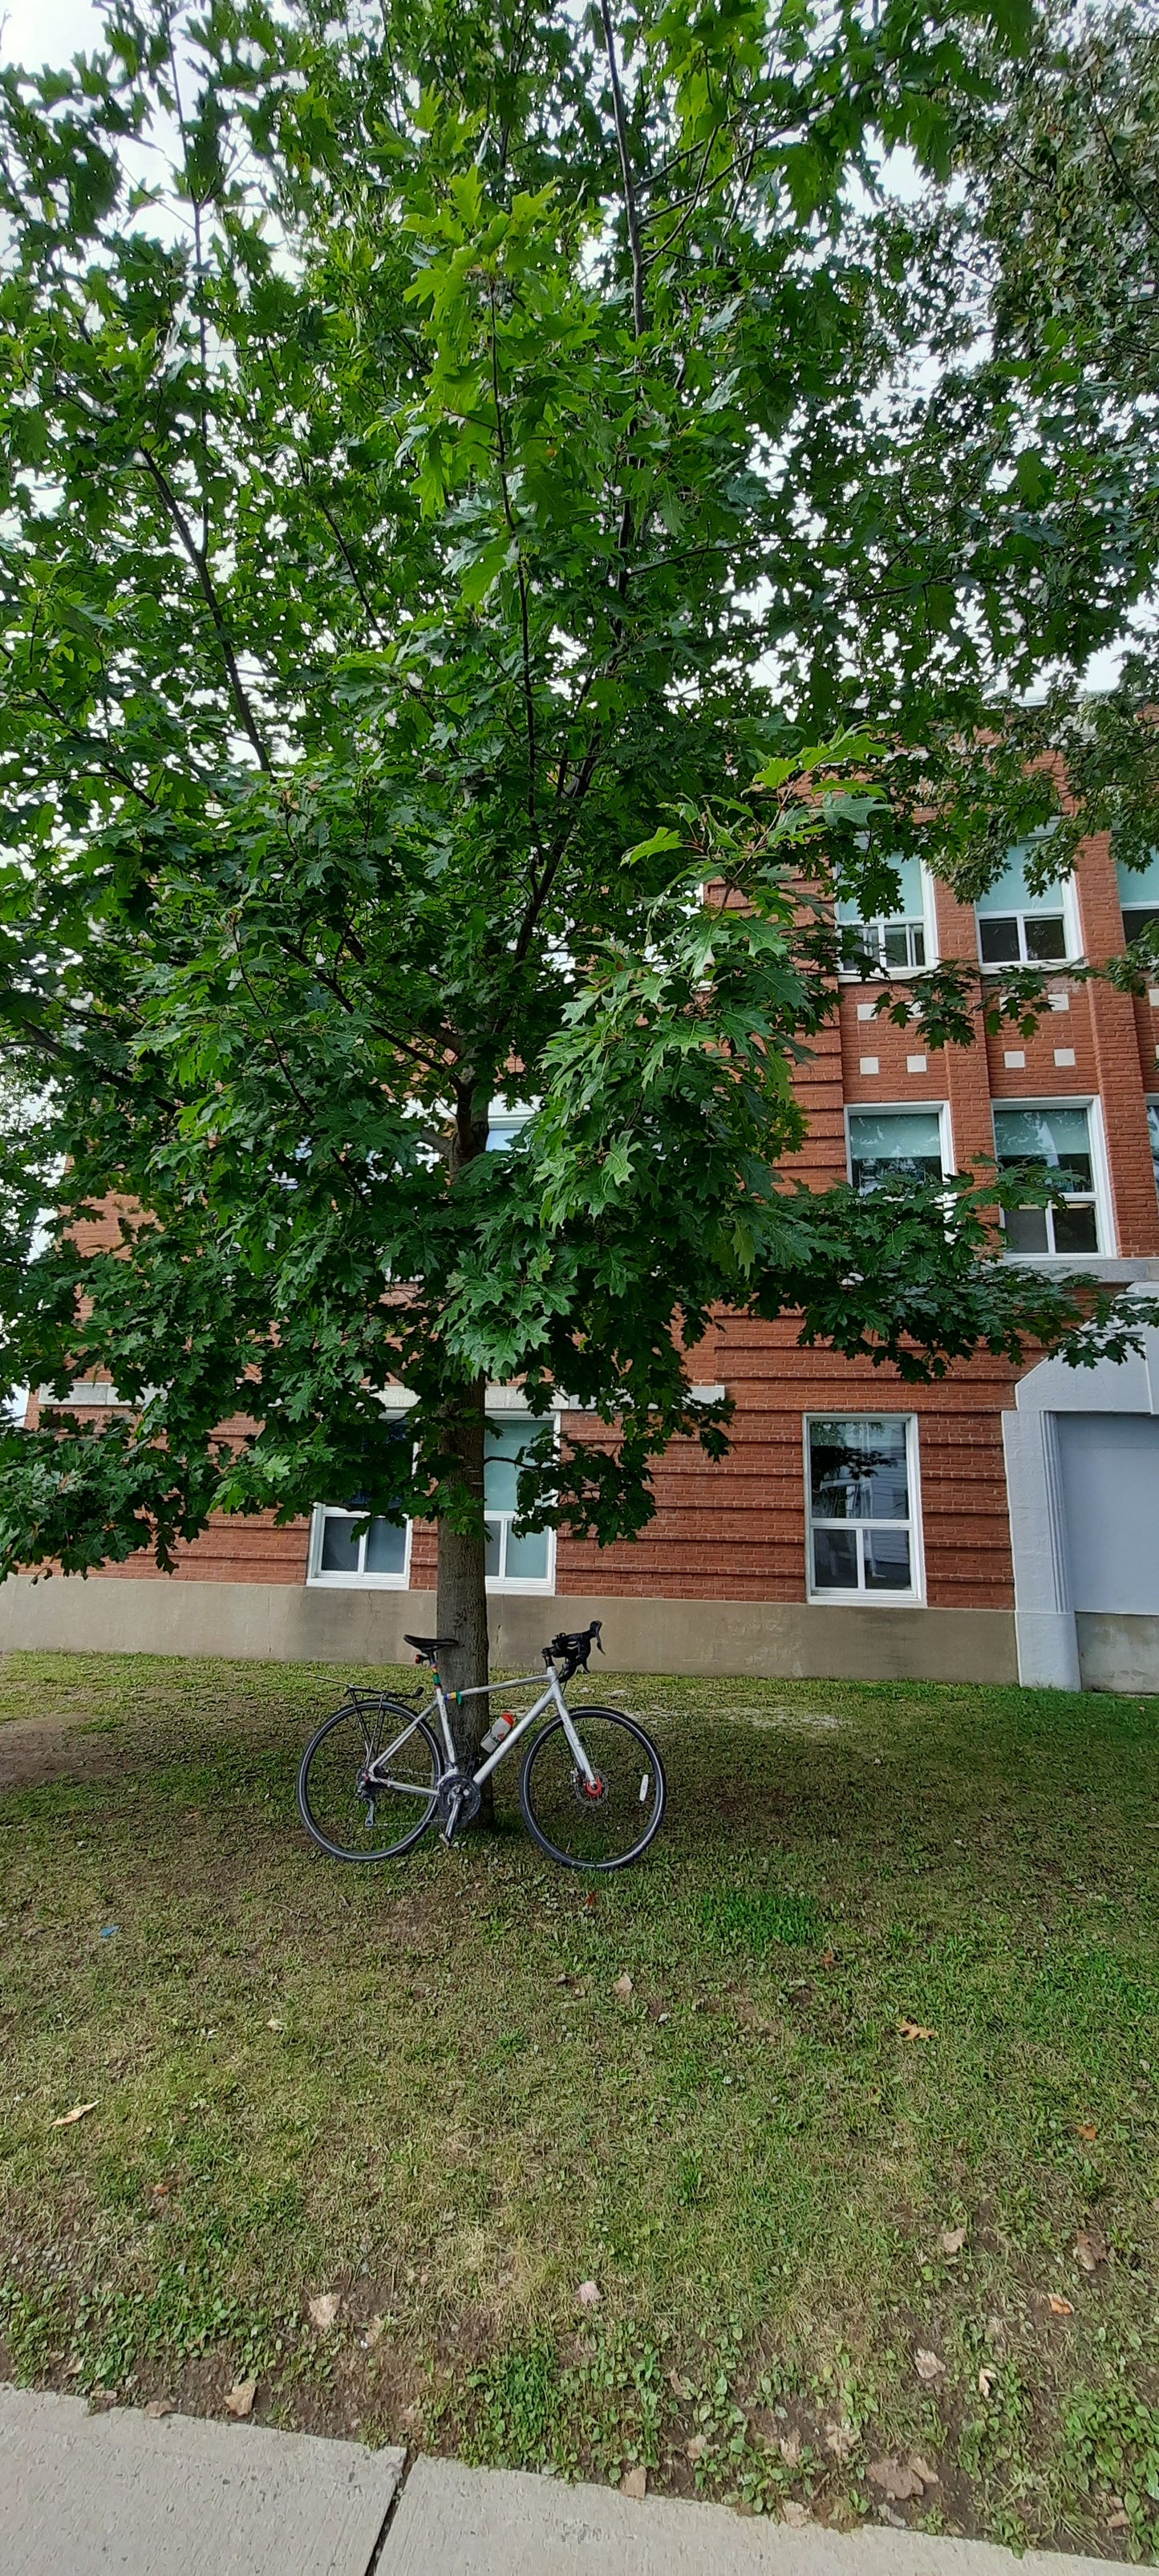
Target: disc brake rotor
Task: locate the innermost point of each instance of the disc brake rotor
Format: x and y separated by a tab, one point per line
589	1793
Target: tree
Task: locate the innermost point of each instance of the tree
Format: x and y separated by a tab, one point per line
1030	450
441	509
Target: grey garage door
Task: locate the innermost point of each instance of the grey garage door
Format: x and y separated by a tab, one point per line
1110	1476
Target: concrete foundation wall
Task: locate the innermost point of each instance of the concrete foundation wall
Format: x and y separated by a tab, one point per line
290	1623
1118	1651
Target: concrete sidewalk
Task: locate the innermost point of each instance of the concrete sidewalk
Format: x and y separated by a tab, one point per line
118	2495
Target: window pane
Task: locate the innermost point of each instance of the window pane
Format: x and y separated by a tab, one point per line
887	1565
492	1531
505	1444
339	1546
527	1557
895	1145
858	1469
1026	1229
1011	893
502	1132
834	1560
385	1549
910	905
1153	1123
1138	918
998	943
1138	885
1045	936
1059	1139
1075	1229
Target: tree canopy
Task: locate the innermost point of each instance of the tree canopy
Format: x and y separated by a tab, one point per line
475	480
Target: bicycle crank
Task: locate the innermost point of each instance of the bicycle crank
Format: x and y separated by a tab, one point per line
459	1800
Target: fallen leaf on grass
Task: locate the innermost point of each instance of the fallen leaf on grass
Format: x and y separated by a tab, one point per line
623	1986
794	2514
274	2024
1087	2130
1090	2248
1118	2522
696	2446
921	2469
588	2295
928	2365
915	2030
373	2333
828	1958
324	2310
841	2440
953	2239
680	2387
635	2483
790	2450
157	2408
240	2401
1060	2307
895	2479
80	2111
987	2381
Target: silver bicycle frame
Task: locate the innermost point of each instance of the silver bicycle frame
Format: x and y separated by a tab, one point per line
376	1777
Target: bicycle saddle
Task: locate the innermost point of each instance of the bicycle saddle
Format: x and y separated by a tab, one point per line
428	1647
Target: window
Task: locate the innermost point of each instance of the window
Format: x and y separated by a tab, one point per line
1018	928
523	1560
1139	895
864	1541
895	1145
504	1125
1153	1123
892	944
1054	1140
343	1550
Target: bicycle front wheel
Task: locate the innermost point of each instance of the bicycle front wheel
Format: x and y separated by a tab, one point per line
369	1779
605	1821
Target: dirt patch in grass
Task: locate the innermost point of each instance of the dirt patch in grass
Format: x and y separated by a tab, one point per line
889	2063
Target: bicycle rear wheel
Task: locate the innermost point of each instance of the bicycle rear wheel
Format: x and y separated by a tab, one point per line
600	1825
353	1816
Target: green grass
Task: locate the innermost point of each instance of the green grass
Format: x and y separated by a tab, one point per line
417	2088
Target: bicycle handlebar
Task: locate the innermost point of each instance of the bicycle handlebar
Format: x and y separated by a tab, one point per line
573	1651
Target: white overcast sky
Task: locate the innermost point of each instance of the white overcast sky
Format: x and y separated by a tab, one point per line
47	31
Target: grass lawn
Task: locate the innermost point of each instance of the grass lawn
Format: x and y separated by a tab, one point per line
820	2244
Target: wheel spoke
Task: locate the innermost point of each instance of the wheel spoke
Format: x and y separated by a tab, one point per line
354	1808
602	1813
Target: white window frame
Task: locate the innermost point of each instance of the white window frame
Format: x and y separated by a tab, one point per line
329	1581
1136	900
881	922
861	1599
893	1109
538	1583
1100	1193
1022	913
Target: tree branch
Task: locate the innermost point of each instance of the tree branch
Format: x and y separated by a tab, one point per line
209	593
631	212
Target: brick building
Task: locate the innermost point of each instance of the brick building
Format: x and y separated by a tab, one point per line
992	1527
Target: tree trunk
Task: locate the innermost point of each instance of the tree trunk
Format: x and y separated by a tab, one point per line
462	1594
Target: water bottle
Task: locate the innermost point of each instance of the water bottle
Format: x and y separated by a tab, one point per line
495	1734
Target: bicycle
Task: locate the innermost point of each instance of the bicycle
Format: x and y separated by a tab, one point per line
592	1786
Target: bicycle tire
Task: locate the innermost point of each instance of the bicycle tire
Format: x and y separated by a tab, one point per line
353	1717
550	1782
